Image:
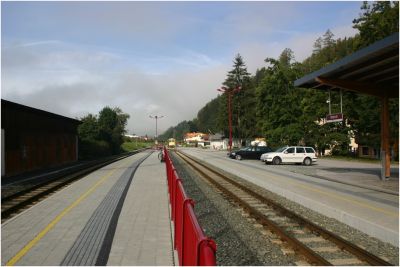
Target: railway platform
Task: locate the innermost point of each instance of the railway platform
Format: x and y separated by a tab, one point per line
117	215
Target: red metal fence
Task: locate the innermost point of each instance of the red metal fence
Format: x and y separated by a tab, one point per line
193	247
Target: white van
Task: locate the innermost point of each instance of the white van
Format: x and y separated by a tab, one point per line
291	154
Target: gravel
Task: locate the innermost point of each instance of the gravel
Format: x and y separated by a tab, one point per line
239	240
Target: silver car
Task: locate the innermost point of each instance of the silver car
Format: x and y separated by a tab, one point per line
291	154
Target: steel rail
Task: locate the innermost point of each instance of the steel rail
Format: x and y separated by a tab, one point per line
297	245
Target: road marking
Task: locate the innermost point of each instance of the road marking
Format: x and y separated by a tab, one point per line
37	238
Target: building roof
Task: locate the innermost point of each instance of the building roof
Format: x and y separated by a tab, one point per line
373	70
194	134
12	105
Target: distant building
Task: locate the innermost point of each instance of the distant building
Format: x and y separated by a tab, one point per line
218	141
34	139
259	141
196	139
134	136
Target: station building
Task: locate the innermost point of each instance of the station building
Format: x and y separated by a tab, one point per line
33	139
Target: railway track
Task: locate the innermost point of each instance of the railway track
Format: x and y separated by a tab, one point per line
316	245
17	198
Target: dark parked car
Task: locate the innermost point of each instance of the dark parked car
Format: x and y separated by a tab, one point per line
251	152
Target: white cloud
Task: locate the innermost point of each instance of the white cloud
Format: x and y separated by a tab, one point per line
148	60
74	82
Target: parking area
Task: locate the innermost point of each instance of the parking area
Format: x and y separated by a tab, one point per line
349	172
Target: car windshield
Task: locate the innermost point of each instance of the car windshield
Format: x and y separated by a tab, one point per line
281	149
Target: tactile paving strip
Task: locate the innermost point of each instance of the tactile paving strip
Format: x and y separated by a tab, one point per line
93	244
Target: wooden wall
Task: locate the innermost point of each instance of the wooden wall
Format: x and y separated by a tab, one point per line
35	139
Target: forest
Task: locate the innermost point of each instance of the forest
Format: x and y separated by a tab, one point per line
268	105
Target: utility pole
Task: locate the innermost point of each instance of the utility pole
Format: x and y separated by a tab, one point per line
230	92
156	117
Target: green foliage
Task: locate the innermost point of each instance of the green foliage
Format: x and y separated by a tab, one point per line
89	129
102	135
129	146
90	148
378	20
269	106
179	130
279	103
240	106
207	117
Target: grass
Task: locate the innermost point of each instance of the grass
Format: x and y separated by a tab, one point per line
130	146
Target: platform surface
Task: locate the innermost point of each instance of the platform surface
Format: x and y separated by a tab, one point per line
143	237
98	219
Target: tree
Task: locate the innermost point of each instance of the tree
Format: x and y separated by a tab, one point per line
238	76
317	46
207	117
378	20
112	124
278	102
89	128
270	106
328	40
180	130
102	135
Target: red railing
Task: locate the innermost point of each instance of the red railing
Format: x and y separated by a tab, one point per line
193	247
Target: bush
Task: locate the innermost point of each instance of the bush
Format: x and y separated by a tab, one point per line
90	149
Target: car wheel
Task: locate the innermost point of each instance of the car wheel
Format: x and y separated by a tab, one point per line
276	161
307	161
238	157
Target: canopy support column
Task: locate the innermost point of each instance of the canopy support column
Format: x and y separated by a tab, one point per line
385	135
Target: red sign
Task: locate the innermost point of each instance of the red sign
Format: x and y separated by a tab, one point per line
334	117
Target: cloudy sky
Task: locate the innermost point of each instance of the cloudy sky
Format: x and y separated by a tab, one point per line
148	58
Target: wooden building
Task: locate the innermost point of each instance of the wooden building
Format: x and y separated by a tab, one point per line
34	139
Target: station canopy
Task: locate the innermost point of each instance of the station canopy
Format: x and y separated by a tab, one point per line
373	70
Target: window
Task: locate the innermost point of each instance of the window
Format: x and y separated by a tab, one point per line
290	150
310	150
300	150
265	149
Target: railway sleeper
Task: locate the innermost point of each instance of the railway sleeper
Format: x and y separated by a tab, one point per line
302	263
347	261
331	249
311	239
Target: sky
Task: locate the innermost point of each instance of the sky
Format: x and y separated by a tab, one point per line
149	58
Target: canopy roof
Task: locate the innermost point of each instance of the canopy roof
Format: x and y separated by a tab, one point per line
373	70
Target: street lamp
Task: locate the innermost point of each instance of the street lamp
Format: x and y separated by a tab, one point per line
156	117
230	92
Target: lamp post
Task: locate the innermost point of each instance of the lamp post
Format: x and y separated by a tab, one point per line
230	92
156	117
